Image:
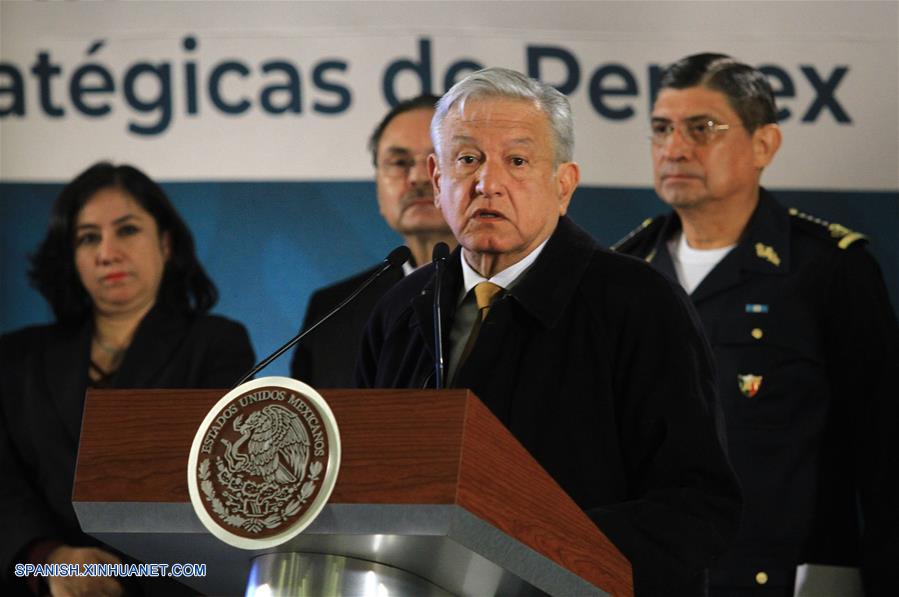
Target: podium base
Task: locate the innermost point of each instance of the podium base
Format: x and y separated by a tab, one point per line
276	574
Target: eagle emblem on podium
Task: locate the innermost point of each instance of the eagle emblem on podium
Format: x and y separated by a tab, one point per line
260	461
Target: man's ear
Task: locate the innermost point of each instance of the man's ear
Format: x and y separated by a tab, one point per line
765	143
434	175
568	175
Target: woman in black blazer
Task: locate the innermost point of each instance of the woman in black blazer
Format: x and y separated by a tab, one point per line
130	298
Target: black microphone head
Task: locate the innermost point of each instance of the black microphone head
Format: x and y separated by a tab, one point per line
441	252
398	256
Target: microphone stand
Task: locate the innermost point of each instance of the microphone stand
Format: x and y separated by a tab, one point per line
441	252
397	257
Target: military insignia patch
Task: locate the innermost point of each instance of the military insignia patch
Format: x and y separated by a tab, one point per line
756	308
263	462
767	253
749	384
843	235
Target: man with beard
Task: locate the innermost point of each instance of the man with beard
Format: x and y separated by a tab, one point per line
400	146
804	336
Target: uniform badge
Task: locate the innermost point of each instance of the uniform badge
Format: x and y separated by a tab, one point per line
749	384
264	462
767	253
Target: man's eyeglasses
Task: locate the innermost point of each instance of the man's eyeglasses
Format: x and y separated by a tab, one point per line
400	166
700	131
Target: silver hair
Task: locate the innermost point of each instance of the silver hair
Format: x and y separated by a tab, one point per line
510	84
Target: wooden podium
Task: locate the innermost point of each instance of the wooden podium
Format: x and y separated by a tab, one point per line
430	482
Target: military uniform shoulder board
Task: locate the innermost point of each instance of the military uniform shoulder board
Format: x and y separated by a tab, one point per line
635	236
843	236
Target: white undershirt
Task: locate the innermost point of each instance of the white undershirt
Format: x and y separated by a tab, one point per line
692	265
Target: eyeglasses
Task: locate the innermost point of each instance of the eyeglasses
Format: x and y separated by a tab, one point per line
700	131
400	166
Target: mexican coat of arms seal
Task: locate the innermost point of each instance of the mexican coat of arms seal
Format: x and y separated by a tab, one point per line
264	462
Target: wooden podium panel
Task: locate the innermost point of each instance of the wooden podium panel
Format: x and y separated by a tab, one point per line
434	470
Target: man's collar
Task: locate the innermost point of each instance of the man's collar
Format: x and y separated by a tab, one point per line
764	245
543	291
503	279
551	281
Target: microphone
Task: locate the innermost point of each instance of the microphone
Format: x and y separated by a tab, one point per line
438	257
396	258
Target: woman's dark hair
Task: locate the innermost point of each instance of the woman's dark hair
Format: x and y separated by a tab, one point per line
746	88
185	285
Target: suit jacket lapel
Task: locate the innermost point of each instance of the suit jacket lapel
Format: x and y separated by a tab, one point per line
65	370
542	293
156	339
764	248
365	303
659	256
563	262
726	274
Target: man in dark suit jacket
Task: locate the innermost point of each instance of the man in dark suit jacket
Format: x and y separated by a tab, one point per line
400	146
593	361
805	340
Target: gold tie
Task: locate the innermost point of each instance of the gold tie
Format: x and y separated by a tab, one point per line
484	293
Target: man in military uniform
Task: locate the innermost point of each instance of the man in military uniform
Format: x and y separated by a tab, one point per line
803	332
